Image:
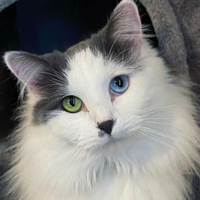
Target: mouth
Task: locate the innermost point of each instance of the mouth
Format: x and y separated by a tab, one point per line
112	147
109	140
103	134
116	139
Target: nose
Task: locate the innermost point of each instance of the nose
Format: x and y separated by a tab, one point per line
106	126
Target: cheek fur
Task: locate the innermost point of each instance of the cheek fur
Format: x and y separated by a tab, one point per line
81	131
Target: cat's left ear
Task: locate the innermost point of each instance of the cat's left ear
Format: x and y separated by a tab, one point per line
125	24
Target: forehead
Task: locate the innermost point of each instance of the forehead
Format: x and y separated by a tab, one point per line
91	71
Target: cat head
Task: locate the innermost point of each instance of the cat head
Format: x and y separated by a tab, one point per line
99	94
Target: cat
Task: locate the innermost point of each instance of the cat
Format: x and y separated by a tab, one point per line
105	120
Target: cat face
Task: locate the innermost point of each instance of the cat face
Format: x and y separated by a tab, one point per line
101	94
90	78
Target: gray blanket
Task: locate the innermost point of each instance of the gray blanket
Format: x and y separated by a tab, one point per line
177	27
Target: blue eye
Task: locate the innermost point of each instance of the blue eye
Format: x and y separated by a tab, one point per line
119	84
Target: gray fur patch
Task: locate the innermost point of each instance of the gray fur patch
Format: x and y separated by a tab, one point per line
120	52
77	48
53	86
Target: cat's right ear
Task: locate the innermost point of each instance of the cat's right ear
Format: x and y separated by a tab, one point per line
26	67
125	25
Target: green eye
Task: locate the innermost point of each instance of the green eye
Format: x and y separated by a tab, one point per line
72	104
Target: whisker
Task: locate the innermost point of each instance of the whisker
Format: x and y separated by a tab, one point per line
160	118
153	138
11	77
154	131
153	122
170	118
155	109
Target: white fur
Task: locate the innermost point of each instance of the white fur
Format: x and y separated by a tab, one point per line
154	140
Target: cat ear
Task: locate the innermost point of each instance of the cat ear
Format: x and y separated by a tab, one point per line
125	24
26	67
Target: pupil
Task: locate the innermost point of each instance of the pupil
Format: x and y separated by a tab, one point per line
72	101
119	82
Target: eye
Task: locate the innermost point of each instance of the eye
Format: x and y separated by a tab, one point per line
72	104
119	84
